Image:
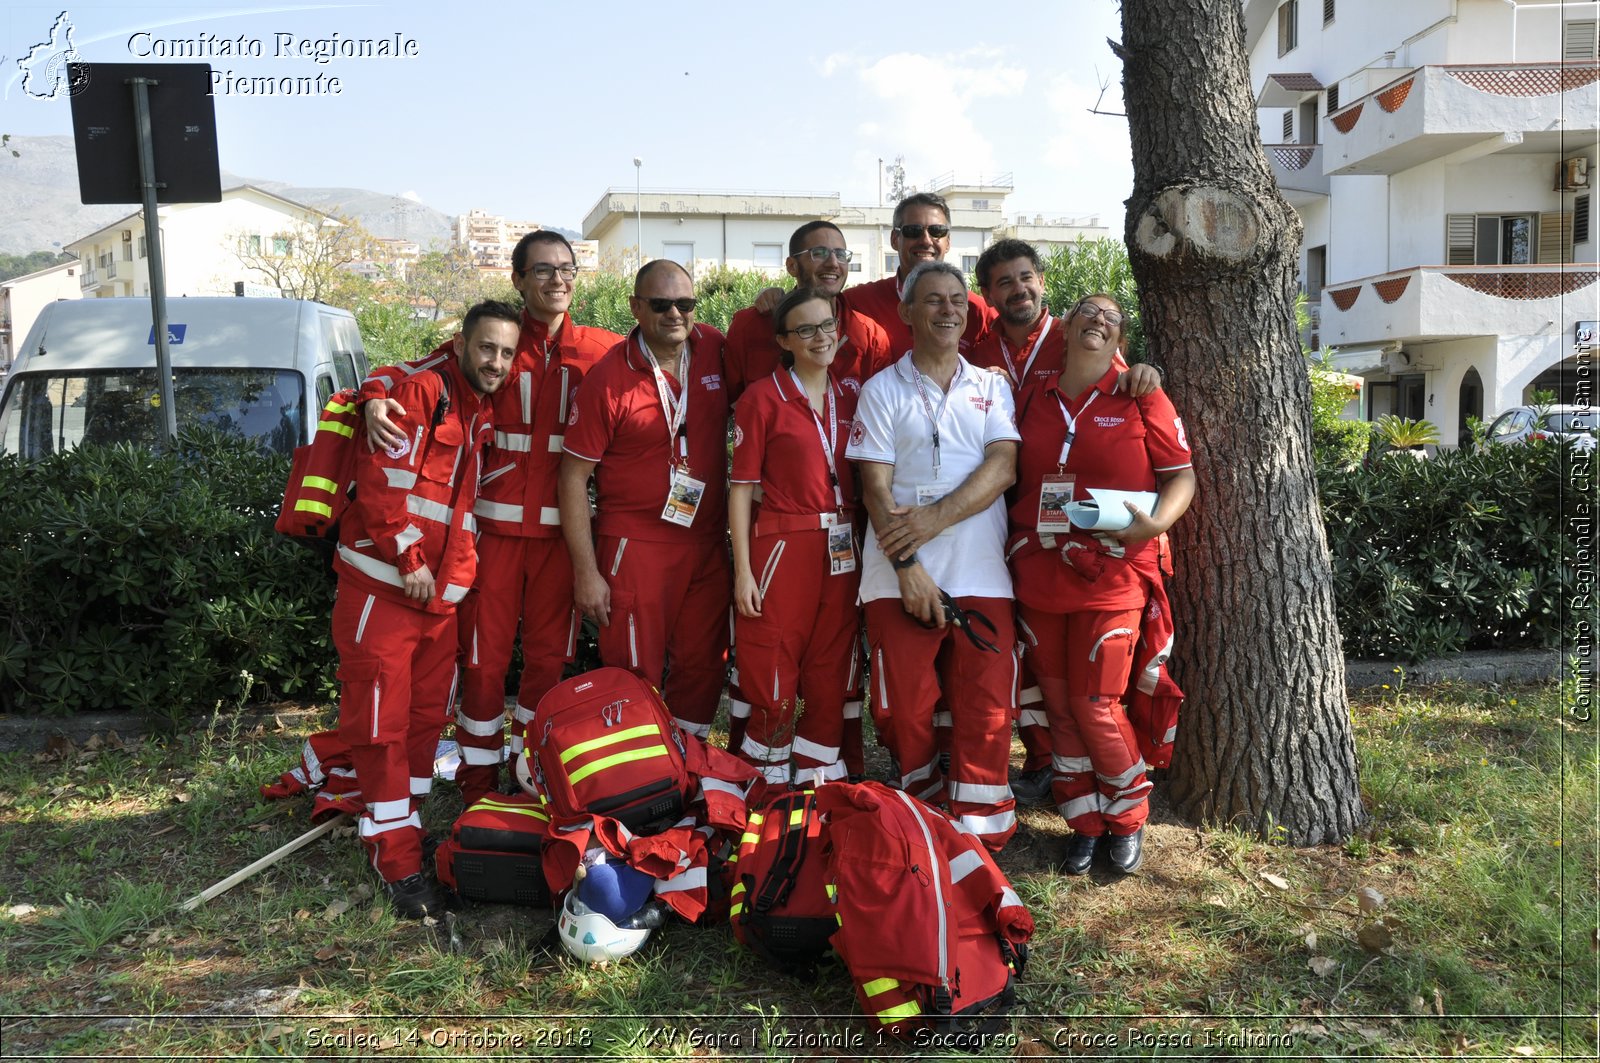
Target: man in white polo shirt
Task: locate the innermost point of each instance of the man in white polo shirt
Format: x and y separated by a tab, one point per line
935	441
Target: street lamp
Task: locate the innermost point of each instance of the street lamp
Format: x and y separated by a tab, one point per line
638	211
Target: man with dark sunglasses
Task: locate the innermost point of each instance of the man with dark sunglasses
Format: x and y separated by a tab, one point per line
921	233
819	260
525	577
652	569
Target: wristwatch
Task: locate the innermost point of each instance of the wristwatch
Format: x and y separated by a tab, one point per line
903	563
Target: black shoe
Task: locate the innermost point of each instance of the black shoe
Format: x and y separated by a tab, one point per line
430	846
1080	853
1127	851
1032	787
415	896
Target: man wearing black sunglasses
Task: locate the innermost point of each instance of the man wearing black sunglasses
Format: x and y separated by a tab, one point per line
650	425
921	233
819	260
525	577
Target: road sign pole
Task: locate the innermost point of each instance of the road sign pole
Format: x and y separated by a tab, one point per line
152	239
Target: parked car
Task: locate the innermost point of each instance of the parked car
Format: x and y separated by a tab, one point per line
1522	423
257	368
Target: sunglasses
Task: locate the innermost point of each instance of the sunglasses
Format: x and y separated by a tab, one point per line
661	306
821	254
914	232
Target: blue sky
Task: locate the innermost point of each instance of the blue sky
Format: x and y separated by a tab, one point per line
532	109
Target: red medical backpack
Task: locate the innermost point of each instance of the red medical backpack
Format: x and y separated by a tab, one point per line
493	850
778	895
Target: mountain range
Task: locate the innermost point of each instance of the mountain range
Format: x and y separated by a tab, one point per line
39	202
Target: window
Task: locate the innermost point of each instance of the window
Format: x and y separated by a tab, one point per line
1491	239
855	265
980	204
1327	11
1333	97
1288	128
1308	121
252	244
1580	220
767	256
1288	26
968	264
281	245
144	247
1316	272
891	262
681	253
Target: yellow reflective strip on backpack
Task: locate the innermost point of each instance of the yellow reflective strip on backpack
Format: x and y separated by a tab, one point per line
797	817
833	892
608	740
340	407
738	888
617	758
320	483
305	505
879	985
517	809
755	819
903	1011
336	426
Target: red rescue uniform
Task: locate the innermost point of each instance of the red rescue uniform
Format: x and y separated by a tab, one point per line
526	573
1080	601
397	657
671	586
752	352
802	646
880	300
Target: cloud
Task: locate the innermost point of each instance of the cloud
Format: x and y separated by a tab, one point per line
924	106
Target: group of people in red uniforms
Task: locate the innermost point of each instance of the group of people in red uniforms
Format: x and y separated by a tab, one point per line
903	453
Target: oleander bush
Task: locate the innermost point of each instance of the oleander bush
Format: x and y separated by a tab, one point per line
153	580
1465	550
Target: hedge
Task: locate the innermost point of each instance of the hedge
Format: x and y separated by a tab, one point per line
154	581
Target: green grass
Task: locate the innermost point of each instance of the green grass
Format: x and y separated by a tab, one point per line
1471	789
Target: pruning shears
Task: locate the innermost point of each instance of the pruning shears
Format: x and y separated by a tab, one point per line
964	619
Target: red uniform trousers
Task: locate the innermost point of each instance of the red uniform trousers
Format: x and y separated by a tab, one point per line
669	615
1082	661
911	667
1033	723
519	578
397	674
800	649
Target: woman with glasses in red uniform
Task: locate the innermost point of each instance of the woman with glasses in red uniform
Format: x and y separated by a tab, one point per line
1081	594
794	557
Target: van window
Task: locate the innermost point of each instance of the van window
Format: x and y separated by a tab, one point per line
324	389
47	413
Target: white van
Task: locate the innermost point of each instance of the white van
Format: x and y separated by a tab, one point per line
258	368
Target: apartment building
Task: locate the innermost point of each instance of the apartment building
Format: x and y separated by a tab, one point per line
750	230
1442	155
21	299
490	238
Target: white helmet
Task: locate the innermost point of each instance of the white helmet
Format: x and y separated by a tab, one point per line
593	938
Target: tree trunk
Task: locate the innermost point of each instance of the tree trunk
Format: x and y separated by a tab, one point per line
1264	741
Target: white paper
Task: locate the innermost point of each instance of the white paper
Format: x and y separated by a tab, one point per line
1105	510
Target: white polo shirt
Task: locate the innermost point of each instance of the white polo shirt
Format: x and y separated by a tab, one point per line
892	427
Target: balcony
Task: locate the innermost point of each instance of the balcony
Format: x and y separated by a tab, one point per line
1457	113
1298	170
97	276
1451	302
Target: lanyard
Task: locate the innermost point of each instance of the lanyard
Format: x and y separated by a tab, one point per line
832	433
675	410
1005	352
927	408
1072	426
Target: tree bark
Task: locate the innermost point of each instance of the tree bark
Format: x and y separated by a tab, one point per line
1264	741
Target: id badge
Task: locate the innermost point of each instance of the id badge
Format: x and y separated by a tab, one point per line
841	550
1055	494
683	500
928	494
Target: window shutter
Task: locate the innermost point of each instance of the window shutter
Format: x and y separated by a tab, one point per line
1580	220
1459	241
1333	97
1288	127
1578	39
1327	11
1555	236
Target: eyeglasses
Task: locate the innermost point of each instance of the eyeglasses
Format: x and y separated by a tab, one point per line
805	332
821	254
1094	311
914	232
544	271
685	305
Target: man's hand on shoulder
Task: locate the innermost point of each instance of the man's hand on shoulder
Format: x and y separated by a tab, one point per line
379	414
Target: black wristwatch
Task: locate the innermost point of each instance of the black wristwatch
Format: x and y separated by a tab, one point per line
900	564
